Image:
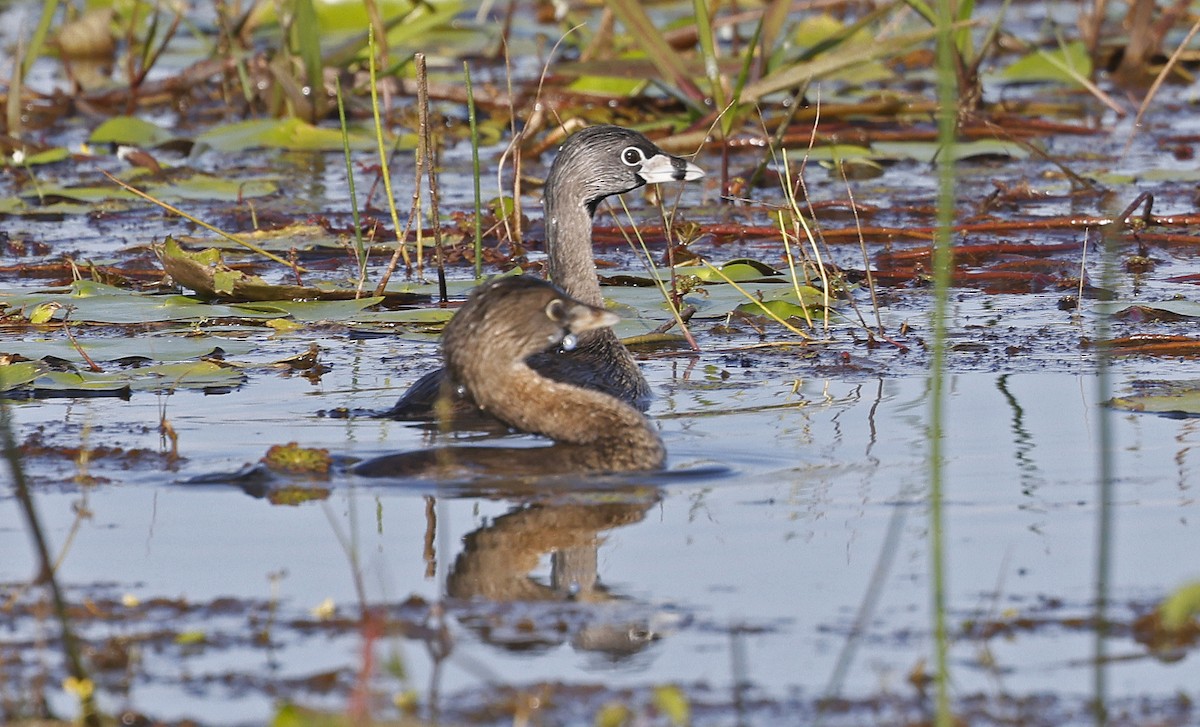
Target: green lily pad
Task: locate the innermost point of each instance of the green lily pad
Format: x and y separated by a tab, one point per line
98	303
52	155
19	374
739	271
1177	398
927	152
1180	607
1178	308
103	349
288	133
129	130
312	311
182	187
161	377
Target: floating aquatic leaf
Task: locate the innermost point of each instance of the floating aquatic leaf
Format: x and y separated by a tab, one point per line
302	237
43	313
1052	65
294	459
612	86
129	130
18	374
190	186
672	702
927	152
286	133
1177	398
98	303
282	325
406	315
164	347
162	377
740	270
316	310
52	155
1180	607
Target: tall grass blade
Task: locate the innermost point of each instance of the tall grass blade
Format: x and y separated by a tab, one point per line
384	171
943	261
360	250
306	34
708	50
633	15
197	221
471	120
89	716
802	73
1111	237
38	39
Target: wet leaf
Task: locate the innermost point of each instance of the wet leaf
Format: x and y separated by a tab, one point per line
205	273
18	374
927	152
282	325
161	377
190	638
193	186
129	130
613	714
406	315
1180	607
1043	65
166	347
287	133
672	702
52	155
291	458
43	313
1177	398
1175	308
312	311
612	86
98	303
740	270
293	495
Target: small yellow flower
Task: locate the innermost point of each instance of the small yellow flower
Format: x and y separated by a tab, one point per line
130	601
81	688
326	610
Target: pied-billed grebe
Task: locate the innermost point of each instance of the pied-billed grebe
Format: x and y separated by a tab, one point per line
595	163
486	347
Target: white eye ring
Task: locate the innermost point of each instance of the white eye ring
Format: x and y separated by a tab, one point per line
632	156
556	310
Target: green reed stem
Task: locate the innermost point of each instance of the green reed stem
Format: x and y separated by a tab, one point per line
475	171
1106	474
360	250
943	262
89	715
383	160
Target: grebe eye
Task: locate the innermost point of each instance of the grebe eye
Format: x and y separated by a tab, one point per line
555	310
632	156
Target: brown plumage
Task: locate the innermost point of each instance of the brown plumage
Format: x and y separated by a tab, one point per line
486	347
595	163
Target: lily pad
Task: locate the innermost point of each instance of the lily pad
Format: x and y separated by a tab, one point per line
19	374
158	348
288	133
92	302
190	186
1174	398
130	130
739	271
